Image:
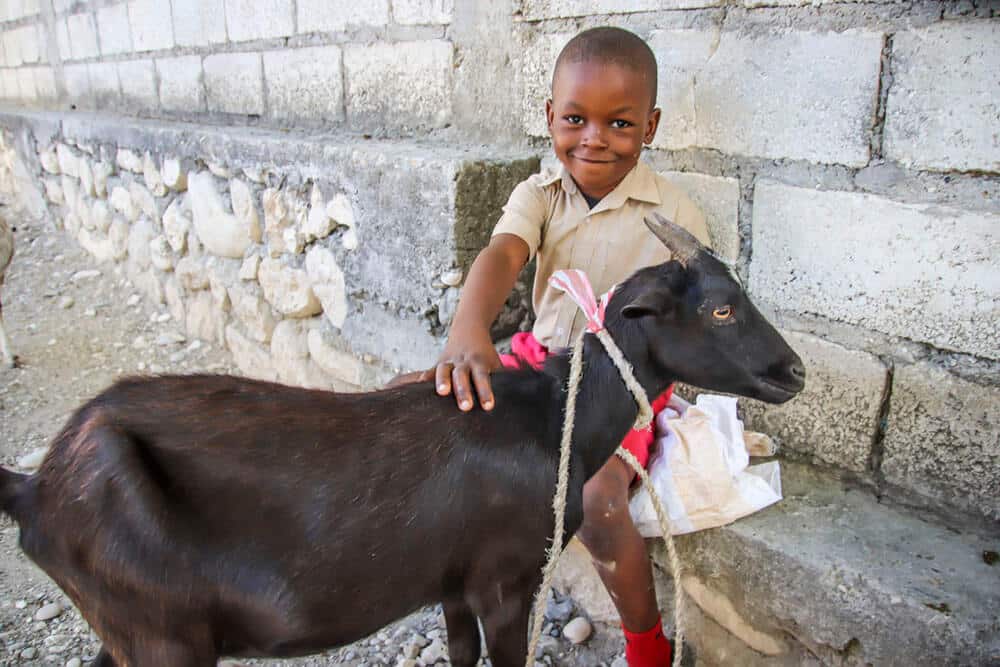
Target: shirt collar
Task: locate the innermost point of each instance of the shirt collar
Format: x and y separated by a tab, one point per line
639	184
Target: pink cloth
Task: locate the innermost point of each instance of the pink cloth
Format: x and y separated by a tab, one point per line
525	349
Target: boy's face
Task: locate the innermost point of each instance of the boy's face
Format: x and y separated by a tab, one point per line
599	117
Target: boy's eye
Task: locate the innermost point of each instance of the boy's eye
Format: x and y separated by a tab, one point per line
620	124
574	120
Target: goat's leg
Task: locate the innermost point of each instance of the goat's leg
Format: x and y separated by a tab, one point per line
103	659
506	628
464	646
185	652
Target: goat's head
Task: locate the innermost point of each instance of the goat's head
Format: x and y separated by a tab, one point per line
701	328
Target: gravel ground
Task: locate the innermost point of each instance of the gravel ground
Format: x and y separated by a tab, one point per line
75	327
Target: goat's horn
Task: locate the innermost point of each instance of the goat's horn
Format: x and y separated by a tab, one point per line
680	241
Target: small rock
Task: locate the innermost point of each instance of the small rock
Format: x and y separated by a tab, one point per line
170	338
577	630
29	653
452	278
74	662
31	461
21	604
66	302
434	652
620	661
140	343
406	662
84	275
559	611
90	312
195	345
546	646
156	369
133	300
49	611
162	318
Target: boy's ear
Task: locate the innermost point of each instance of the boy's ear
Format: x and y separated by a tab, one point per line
549	113
651	125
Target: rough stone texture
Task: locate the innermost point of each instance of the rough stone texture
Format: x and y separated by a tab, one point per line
932	69
287	288
113	28
82	35
181	83
138	82
818	85
253	360
253	311
881	264
325	16
853	580
943	439
719	200
833	421
152	27
407	84
327	283
199	22
336	362
259	19
423	12
305	84
234	82
549	9
221	232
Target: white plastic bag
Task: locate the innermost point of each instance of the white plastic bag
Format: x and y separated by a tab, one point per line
701	469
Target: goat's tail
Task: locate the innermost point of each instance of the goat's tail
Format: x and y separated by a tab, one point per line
11	484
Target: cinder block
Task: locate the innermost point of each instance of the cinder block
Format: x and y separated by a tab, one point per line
536	66
12	48
259	19
760	95
181	83
138	81
82	35
30	42
927	273
835	417
942	108
45	84
234	83
719	200
943	439
407	84
551	9
26	84
305	83
199	22
77	80
62	40
104	85
325	16
423	12
11	85
113	27
152	27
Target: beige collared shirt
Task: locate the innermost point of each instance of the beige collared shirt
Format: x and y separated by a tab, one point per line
609	242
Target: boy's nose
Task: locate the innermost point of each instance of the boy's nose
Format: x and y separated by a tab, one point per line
593	136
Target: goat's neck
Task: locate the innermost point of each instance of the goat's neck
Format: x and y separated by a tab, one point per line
605	408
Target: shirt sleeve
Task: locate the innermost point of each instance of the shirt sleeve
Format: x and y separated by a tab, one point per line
524	214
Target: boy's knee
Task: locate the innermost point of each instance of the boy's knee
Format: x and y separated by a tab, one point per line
605	508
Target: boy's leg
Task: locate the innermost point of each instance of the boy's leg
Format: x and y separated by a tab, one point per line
620	556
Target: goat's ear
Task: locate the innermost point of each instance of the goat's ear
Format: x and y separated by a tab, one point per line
657	302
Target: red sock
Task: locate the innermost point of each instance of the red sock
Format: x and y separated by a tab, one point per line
649	648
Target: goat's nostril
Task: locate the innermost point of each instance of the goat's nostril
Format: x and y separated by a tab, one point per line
798	370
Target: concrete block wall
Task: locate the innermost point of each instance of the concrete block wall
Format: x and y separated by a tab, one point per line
846	153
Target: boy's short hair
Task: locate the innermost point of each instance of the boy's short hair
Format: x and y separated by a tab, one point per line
611	46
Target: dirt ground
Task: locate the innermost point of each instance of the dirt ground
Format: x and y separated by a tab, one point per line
75	327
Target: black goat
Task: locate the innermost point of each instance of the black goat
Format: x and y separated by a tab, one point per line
194	517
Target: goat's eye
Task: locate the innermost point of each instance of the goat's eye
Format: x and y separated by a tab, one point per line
723	313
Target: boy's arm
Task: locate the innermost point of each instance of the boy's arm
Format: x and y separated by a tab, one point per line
469	355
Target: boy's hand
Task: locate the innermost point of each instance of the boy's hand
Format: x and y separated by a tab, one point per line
467	362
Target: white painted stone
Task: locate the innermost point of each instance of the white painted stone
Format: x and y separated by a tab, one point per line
318	223
67	160
175	304
219	170
191	273
82	35
259	19
174	174
222	233
151	174
234	83
50	160
406	84
143	199
253	311
53	190
880	264
339	210
152	27
204	319
100	215
139	260
719	200
288	289
328	284
279	222
118	234
86	174
102	170
289	340
114	31
181	83
128	160
199	22
550	9
176	224
305	83
942	108
252	359
245	208
97	244
248	270
325	16
222	274
334	361
160	254
70	190
423	12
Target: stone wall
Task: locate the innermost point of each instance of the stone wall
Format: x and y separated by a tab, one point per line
308	181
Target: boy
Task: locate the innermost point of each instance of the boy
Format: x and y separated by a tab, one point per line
587	216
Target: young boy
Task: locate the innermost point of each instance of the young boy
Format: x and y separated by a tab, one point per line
587	216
